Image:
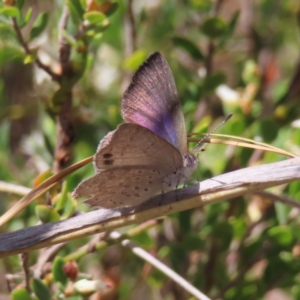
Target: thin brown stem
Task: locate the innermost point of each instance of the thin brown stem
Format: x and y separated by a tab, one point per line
65	129
64	134
65	48
130	29
25	264
47	69
279	198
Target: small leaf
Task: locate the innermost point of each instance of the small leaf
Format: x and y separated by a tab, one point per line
230	28
9	11
41	290
83	4
132	62
76	16
20	294
58	271
94	29
189	47
39	25
214	27
268	129
10	53
213	81
20	4
46	213
112	9
281	235
107	7
79	6
29	59
7	34
27	17
61	198
69	208
94	17
42	177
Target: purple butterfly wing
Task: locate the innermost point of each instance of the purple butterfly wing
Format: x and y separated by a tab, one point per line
152	101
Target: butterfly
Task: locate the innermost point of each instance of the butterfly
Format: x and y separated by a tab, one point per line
147	155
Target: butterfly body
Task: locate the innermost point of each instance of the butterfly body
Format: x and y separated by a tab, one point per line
147	155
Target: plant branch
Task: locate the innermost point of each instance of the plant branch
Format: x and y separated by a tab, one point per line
11	188
54	76
160	266
279	198
24	257
223	187
130	30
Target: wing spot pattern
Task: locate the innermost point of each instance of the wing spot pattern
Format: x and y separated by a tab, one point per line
109	162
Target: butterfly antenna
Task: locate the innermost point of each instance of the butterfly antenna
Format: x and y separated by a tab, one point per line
200	145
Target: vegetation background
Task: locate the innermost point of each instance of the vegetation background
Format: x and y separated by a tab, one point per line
64	66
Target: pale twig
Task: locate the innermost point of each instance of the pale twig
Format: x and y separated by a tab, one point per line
11	188
160	266
100	241
219	188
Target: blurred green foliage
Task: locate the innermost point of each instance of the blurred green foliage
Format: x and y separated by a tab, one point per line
226	57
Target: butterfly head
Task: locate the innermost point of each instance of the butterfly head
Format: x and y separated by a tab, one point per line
190	161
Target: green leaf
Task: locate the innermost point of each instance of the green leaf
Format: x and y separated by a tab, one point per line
251	73
282	212
27	17
79	6
144	240
9	11
112	9
95	29
94	17
42	177
213	81
76	17
83	4
281	235
20	4
10	53
214	27
69	208
189	47
41	290
7	34
192	242
132	62
29	59
223	234
62	198
20	294
232	24
268	129
39	25
46	213
58	272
